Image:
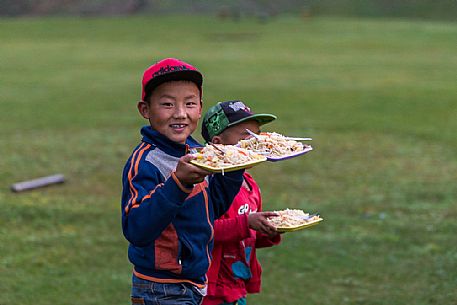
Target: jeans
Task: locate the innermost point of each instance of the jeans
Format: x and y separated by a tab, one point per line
152	293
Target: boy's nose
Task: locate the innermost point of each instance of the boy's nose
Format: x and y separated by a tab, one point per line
180	112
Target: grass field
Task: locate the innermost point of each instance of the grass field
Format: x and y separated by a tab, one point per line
377	96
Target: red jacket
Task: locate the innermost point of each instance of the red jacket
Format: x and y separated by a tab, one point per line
235	270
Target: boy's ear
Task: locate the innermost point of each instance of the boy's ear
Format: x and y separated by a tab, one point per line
143	109
216	140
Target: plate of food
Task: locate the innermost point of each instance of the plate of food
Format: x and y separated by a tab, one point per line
293	219
220	158
275	146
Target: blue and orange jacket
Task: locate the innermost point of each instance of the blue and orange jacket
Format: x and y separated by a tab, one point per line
169	225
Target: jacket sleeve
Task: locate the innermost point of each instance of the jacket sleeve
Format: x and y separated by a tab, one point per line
149	203
231	229
223	189
263	241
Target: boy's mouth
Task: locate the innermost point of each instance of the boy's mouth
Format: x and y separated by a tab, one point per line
178	126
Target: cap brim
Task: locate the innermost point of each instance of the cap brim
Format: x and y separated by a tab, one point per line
189	75
262	118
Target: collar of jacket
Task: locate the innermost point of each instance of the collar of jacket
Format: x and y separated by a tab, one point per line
157	139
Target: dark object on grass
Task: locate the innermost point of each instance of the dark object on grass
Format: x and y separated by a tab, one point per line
37	183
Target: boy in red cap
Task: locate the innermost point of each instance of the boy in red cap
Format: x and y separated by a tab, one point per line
235	270
168	204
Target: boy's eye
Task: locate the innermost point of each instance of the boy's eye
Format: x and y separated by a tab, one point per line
166	104
191	104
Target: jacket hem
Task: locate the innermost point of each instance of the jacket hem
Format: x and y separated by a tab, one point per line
167	280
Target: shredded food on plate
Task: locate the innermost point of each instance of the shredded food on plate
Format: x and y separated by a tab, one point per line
225	156
272	144
290	218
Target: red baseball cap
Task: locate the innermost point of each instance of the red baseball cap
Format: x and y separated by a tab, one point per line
169	69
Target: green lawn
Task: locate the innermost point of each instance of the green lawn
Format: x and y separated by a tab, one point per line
377	96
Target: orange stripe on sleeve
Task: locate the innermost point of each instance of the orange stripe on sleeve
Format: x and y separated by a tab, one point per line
129	177
135	205
180	185
137	164
205	195
134	171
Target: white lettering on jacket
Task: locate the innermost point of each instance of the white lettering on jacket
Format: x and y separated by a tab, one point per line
244	209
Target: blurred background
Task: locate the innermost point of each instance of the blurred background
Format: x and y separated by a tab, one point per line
424	9
372	82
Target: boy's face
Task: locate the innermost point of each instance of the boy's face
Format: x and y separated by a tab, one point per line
174	109
237	132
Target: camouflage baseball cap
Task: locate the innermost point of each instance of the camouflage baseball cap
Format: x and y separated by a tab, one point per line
229	113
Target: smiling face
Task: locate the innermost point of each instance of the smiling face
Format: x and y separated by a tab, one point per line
173	109
237	132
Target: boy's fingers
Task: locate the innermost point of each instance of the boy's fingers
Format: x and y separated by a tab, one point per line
201	171
187	158
269	230
269	226
269	214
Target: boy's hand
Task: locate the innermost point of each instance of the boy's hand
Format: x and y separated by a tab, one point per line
259	222
189	174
